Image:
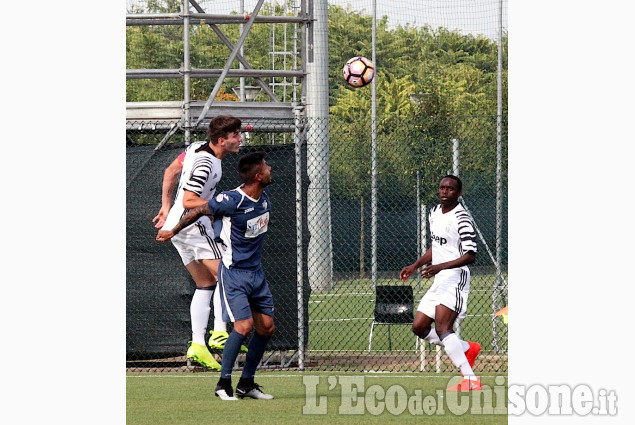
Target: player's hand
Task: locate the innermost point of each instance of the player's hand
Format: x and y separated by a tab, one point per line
406	272
160	218
164	235
430	271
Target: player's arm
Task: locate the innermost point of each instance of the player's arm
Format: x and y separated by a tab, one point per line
170	178
464	260
408	270
194	185
191	200
189	218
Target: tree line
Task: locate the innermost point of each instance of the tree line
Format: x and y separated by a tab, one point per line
433	85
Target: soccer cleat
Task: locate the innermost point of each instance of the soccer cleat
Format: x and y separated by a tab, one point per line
224	392
472	352
252	392
467	385
218	340
201	355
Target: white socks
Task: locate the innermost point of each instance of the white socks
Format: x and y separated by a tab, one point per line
454	350
433	338
219	325
199	312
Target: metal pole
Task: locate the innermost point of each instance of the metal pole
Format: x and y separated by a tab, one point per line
186	70
456	171
419	226
242	53
424	228
298	230
319	256
455	157
373	161
499	180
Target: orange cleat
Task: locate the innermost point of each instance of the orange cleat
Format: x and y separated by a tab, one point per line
472	352
467	385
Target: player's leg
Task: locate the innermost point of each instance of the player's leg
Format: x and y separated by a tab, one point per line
264	328
446	292
218	335
422	327
230	353
422	324
261	303
453	295
200	257
200	307
454	347
219	331
200	312
232	284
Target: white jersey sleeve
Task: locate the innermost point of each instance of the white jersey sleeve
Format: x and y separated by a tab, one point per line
467	234
201	170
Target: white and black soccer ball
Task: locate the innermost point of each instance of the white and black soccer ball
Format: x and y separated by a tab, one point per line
358	71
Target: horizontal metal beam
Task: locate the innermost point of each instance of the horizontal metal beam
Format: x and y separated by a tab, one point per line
160	112
206	18
132	74
163	126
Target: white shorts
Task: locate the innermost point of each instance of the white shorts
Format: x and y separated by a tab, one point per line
196	243
450	290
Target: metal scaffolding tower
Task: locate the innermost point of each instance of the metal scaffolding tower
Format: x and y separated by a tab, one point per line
188	115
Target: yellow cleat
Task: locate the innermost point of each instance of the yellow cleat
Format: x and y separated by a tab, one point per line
201	355
218	340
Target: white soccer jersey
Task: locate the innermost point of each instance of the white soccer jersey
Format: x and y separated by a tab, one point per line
201	173
452	236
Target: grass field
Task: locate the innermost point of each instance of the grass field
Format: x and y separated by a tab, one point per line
176	398
339	327
340	319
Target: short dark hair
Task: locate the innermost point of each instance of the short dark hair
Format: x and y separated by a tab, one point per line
458	181
222	125
249	165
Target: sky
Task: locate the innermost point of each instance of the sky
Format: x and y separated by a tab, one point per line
469	16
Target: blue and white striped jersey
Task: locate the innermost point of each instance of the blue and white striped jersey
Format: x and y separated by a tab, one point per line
243	222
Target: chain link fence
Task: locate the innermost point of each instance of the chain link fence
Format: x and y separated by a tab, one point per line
331	245
351	192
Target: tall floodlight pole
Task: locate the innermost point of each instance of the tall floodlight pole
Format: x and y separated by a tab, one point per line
319	261
373	158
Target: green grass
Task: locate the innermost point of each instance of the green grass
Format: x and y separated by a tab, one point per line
340	319
188	398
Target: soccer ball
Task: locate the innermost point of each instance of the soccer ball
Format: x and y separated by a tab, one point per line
358	71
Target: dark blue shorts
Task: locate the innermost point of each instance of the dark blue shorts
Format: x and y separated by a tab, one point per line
243	291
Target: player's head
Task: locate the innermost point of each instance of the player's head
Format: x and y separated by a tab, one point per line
456	179
450	188
252	167
223	126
